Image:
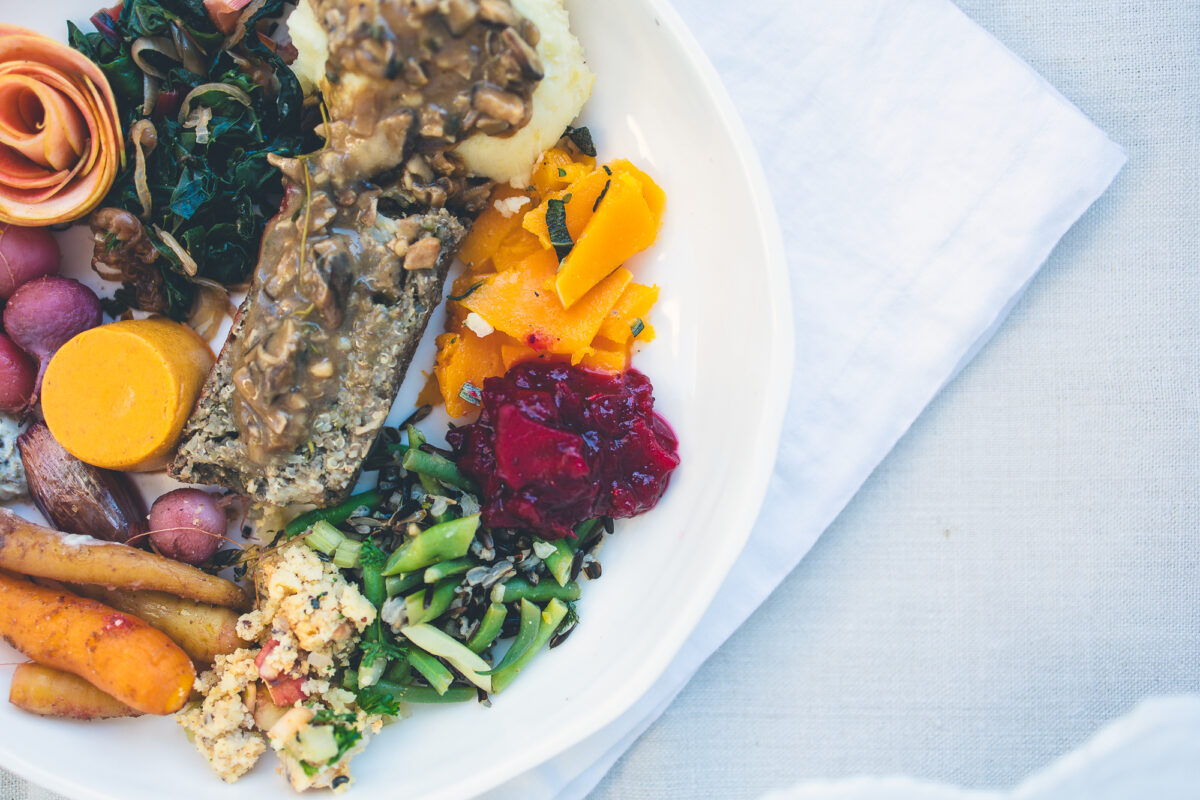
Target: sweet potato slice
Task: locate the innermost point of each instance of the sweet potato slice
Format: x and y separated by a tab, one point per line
54	693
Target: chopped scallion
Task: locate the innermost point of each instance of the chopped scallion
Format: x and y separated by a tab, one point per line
324	538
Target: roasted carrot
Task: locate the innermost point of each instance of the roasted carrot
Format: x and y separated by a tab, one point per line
54	693
30	549
118	654
203	631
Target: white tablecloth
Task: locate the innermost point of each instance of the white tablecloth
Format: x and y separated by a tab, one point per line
1023	567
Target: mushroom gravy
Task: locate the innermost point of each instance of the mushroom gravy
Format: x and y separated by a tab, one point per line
405	82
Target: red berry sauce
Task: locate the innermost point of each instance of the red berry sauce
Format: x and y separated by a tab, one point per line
556	445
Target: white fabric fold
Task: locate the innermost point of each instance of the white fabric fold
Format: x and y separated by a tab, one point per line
922	174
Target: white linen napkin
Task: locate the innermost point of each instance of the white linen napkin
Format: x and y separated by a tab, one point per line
1152	752
922	174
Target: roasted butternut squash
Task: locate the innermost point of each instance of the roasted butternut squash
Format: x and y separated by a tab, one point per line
493	225
622	226
522	303
463	358
633	307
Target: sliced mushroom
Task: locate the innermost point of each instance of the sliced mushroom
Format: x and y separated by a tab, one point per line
503	106
460	14
527	57
497	12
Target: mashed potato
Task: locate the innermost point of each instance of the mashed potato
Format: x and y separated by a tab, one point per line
556	102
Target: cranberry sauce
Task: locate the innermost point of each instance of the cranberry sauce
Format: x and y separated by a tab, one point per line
556	445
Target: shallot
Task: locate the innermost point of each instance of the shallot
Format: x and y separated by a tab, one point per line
187	525
76	497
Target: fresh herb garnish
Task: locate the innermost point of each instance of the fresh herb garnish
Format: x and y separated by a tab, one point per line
327	716
603	192
637	326
556	224
582	139
380	648
373	700
562	173
466	294
371	557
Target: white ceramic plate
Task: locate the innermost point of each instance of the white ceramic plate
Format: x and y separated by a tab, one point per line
721	367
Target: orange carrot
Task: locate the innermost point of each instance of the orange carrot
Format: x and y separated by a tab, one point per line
53	693
118	654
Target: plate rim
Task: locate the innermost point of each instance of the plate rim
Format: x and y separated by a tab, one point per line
781	361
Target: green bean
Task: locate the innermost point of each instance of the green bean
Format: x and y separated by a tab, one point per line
399	584
440	468
423	694
489	628
447	568
438	643
520	589
373	586
398	671
559	562
336	515
552	617
415	440
431	669
443	542
443	594
531	621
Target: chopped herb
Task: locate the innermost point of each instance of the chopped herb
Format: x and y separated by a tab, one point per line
562	173
582	138
556	224
326	716
110	241
567	197
346	738
471	393
637	326
466	294
381	648
371	556
603	192
373	700
607	171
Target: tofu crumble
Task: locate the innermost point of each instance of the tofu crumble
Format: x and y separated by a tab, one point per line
278	692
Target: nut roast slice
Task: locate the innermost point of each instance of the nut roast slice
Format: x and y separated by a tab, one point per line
354	264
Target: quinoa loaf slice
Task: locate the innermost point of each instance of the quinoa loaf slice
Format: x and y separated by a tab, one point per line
379	335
